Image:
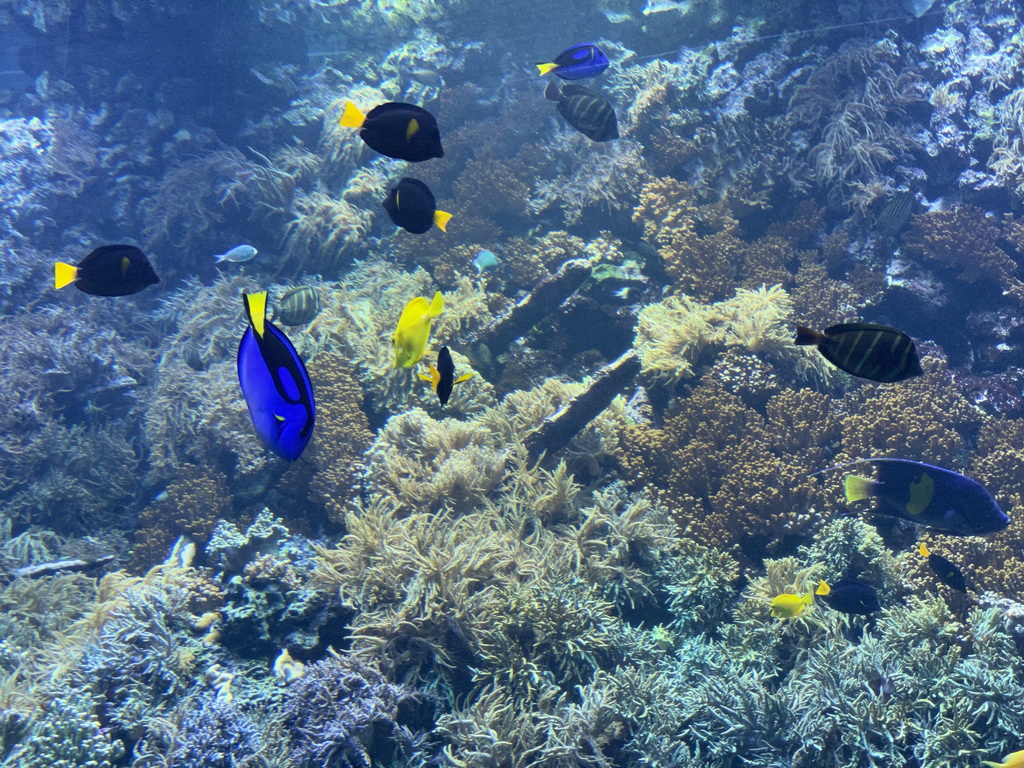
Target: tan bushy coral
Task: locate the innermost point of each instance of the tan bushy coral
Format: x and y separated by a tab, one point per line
527	261
966	240
195	501
735	477
341	437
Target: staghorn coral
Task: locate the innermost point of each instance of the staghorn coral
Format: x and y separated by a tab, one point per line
344	713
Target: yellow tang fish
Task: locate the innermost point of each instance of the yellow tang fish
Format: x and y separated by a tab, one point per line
1012	760
787	606
413	331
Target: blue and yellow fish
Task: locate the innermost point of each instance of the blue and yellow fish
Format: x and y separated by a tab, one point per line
931	496
413	331
274	383
576	63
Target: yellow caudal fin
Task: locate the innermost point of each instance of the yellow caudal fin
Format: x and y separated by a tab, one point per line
256	309
441	219
63	274
808	599
436	305
923	550
464	377
546	67
352	117
823	588
857	488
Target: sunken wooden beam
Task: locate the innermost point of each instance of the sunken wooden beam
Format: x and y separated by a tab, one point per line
558	430
545	298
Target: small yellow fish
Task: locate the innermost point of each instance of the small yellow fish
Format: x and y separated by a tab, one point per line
787	606
413	331
1012	760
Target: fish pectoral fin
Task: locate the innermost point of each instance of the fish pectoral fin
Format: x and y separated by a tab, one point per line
412	129
64	274
441	220
279	417
352	117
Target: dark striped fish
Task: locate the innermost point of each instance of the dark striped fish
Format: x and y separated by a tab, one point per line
875	352
894	216
298	306
586	110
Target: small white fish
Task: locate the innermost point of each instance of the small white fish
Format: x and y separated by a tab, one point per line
237	254
623	293
485	260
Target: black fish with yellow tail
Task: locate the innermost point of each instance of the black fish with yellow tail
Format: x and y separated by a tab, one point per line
870	351
411	206
442	377
945	571
110	270
586	110
401	131
849	596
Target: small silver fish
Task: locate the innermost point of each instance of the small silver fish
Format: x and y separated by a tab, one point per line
426	76
918	7
623	293
237	254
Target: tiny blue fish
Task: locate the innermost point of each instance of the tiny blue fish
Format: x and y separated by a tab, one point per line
931	496
237	254
485	260
274	383
577	63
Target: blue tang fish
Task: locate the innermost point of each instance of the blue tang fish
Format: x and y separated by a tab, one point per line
274	383
577	63
931	496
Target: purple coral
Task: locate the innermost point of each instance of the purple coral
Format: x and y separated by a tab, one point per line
345	714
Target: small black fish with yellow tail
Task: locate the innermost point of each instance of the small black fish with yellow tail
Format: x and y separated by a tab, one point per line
875	352
411	206
401	131
110	270
442	377
944	570
849	596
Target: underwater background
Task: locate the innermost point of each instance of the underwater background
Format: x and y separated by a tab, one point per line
577	560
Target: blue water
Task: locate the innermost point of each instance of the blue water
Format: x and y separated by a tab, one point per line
607	546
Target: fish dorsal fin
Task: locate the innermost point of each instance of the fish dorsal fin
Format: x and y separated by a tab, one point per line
436	305
411	129
256	311
64	274
352	117
441	219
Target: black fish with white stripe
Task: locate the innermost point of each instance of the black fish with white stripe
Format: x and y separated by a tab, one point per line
586	110
870	351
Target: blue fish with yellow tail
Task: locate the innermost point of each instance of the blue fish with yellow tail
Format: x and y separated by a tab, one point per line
945	570
576	63
442	376
931	496
274	383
